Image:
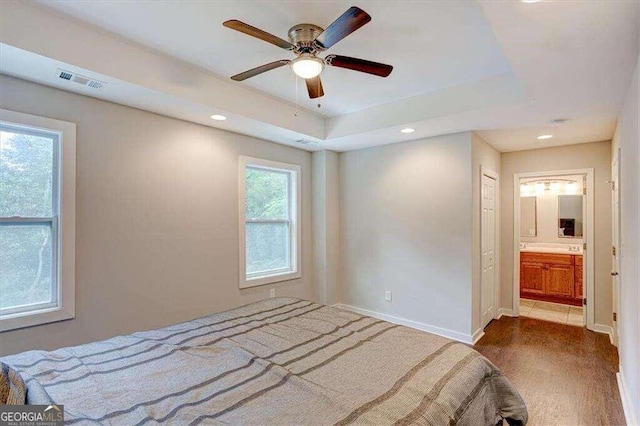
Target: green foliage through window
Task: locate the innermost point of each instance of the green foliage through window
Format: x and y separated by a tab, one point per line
267	214
267	193
26	191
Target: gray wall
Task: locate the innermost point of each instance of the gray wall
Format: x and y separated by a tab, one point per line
627	138
156	220
326	214
593	155
406	227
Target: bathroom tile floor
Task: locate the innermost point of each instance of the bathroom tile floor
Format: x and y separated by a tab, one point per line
554	312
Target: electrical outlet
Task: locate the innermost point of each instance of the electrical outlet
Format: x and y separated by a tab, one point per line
387	296
272	293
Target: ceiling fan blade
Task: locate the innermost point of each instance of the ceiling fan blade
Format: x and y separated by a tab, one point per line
314	87
347	23
362	65
234	24
259	70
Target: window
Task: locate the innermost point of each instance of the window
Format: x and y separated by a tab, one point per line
269	222
37	220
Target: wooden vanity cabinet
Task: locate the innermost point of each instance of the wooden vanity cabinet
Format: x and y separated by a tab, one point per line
551	277
578	277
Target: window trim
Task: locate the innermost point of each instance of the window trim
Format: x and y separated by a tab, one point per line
294	221
63	221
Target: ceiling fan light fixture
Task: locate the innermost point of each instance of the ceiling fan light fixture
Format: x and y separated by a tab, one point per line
307	66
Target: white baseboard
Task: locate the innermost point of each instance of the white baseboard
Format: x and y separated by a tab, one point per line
450	334
629	415
606	329
506	312
477	335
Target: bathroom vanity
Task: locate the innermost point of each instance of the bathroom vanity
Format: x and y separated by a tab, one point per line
552	276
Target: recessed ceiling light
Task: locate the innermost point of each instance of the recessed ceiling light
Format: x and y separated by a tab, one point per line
218	117
408	130
541	137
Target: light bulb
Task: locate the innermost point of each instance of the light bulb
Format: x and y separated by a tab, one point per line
307	66
524	188
555	186
540	186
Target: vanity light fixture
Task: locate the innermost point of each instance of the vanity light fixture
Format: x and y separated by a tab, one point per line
543	137
572	186
557	185
530	1
218	117
408	130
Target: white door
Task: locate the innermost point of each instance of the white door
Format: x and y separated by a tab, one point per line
615	186
488	242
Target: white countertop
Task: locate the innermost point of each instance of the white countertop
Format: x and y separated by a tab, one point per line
551	248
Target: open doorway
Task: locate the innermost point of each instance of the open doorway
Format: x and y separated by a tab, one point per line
553	217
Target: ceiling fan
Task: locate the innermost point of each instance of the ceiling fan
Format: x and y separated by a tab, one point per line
307	41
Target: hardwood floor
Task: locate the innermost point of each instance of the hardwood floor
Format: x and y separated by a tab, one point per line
566	374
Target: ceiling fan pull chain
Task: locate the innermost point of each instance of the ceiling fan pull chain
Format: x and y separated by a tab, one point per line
295	77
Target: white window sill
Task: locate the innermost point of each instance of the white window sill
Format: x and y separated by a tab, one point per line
269	279
30	319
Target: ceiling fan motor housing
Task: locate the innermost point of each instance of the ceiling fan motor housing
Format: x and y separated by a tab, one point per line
303	35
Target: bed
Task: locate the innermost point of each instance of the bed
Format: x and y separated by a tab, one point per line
280	361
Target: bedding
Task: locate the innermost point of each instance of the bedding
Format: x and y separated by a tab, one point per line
279	361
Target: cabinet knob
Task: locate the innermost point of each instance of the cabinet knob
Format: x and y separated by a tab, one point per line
614	274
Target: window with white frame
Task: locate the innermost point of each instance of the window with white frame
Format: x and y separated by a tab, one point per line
37	220
269	222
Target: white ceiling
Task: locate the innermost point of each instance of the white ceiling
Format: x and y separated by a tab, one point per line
499	67
432	45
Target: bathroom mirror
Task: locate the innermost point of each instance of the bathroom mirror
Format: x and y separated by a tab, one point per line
570	216
528	217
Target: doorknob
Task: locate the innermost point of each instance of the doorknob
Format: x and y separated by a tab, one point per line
614	274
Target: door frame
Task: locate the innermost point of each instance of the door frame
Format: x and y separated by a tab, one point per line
616	239
492	174
588	266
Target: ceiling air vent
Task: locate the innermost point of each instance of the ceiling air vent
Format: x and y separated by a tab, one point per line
306	142
80	79
65	75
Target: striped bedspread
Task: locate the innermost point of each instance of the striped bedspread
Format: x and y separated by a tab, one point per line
280	361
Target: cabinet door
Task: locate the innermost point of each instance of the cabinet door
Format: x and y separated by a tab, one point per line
531	278
558	280
578	293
